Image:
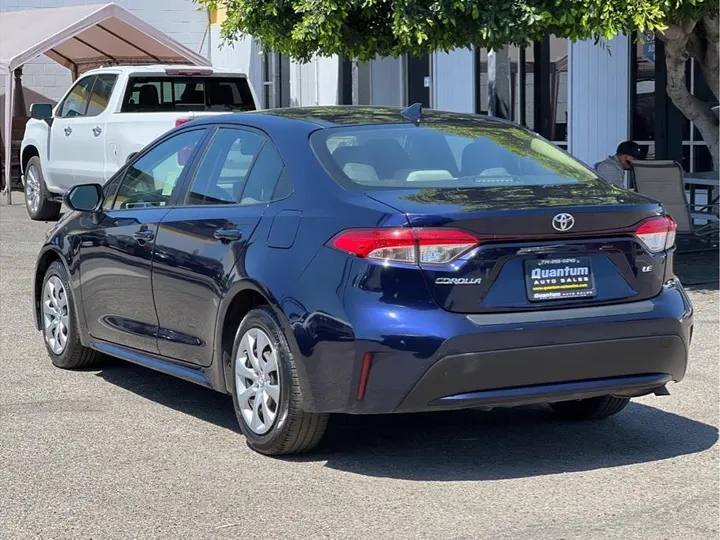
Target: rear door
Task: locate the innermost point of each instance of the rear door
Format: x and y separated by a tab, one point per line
117	249
202	241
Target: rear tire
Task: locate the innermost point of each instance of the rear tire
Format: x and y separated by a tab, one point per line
266	391
590	409
39	205
60	322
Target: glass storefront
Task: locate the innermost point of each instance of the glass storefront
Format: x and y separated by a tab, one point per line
662	131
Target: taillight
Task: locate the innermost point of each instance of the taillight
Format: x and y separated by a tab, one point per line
658	233
413	246
181	121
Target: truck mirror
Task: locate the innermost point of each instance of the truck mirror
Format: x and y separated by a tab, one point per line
41	111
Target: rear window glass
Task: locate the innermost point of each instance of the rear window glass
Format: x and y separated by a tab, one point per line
445	154
168	94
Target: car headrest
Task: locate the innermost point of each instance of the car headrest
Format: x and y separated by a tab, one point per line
482	155
148	96
221	94
351	154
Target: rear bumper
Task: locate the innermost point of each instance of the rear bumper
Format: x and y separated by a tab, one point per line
424	360
624	367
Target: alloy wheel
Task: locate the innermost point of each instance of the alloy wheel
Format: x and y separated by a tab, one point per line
56	319
257	381
32	189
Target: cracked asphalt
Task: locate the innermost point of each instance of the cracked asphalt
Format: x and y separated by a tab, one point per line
124	452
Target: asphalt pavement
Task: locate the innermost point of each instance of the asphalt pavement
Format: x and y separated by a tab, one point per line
124	452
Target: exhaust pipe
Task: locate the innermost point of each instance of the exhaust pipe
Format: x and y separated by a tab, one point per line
661	391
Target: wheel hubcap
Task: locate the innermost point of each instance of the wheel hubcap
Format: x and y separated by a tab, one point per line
32	189
257	381
56	321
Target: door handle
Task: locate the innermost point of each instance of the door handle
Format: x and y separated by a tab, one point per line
228	234
68	131
97	131
144	235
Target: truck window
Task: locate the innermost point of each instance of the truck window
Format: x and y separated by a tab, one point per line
101	92
205	94
76	101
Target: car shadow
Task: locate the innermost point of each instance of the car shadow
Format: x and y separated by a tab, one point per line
179	395
459	445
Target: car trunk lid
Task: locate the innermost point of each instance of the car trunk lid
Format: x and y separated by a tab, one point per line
540	247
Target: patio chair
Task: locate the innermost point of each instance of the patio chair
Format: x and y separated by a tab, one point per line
664	182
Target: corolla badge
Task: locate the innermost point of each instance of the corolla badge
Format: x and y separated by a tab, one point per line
563	222
458	281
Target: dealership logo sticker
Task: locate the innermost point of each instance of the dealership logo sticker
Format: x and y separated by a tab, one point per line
563	222
563	278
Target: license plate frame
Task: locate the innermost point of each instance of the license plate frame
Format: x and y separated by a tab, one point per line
559	278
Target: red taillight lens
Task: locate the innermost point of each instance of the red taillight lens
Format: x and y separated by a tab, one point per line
181	121
413	246
658	233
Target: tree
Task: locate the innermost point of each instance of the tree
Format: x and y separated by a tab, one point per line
364	29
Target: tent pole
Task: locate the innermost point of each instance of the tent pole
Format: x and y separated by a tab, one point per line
8	133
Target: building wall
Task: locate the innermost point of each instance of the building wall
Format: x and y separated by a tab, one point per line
315	83
386	82
452	81
599	98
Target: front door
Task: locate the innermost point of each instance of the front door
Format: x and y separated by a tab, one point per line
202	241
66	141
117	248
88	150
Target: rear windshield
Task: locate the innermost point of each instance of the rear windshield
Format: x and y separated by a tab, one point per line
168	94
444	154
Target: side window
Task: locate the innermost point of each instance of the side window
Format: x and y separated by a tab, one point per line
76	101
263	178
110	190
151	180
222	174
100	95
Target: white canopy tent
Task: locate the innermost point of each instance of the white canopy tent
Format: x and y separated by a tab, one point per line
80	38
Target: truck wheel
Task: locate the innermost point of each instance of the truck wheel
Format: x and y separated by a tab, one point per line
37	199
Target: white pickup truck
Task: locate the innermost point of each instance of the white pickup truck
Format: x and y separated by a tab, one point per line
110	114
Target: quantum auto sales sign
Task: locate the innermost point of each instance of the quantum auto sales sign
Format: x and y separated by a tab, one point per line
559	279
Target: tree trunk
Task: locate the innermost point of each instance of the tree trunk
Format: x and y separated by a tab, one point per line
678	44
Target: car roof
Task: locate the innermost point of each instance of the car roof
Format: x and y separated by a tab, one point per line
313	118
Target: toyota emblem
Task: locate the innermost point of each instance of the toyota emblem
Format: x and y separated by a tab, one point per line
563	222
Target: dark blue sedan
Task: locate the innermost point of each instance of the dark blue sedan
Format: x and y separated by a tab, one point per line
367	260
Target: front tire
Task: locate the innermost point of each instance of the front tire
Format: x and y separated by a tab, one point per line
37	198
59	322
266	392
590	409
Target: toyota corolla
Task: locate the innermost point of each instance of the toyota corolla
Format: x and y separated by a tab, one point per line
366	261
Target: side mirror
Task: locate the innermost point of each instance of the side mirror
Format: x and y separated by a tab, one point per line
85	198
41	111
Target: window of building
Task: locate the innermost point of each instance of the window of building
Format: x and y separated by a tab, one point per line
657	125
